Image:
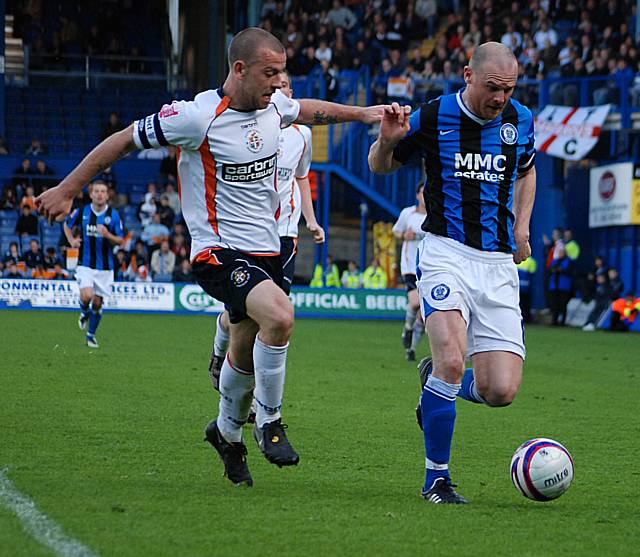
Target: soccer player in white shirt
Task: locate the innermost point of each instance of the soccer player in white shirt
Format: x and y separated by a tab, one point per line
408	228
294	162
228	139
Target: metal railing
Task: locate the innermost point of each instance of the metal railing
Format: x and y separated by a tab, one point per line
96	71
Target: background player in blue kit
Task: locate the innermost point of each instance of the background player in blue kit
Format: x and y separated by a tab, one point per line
100	228
479	156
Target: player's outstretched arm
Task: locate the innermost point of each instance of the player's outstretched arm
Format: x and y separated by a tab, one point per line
316	113
394	126
55	204
524	196
308	212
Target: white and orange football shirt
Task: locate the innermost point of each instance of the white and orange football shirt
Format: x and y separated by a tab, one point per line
294	161
226	168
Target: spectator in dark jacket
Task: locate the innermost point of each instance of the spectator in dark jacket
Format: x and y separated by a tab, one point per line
22	175
615	283
167	216
34	257
13	254
27	224
42	177
602	298
169	165
183	272
8	201
114	125
560	285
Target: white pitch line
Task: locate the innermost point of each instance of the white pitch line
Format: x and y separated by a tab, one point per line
38	524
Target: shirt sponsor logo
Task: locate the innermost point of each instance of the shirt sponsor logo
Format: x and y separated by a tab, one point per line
167	111
509	134
249	171
251	124
253	141
92	230
487	168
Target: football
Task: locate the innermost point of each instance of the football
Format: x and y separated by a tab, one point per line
542	469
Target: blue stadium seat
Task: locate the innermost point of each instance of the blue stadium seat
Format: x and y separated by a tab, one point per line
8	218
136	198
7	240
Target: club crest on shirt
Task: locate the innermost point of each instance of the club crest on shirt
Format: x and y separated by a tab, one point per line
440	292
254	141
240	277
107	220
509	134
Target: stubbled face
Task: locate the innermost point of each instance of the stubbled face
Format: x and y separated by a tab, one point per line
261	78
99	194
490	88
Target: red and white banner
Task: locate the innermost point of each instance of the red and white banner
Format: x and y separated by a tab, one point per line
568	132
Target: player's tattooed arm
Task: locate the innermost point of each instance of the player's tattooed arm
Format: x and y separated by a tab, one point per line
55	203
320	118
316	112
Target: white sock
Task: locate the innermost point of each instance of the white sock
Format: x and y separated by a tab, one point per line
410	318
236	392
418	331
270	367
221	340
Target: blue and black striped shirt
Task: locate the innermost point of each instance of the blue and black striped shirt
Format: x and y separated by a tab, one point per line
471	166
96	252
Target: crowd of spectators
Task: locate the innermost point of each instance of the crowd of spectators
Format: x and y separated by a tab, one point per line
600	285
59	30
550	39
158	249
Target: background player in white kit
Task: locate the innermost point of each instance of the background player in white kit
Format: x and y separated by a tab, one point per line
228	140
294	163
408	228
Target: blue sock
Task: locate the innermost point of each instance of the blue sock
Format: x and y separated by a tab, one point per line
468	389
438	405
94	320
84	309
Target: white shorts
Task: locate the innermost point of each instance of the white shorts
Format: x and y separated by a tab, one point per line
100	281
484	286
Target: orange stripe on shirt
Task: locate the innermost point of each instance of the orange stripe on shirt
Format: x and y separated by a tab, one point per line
209	165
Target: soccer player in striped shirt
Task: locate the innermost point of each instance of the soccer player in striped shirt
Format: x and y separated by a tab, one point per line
478	152
228	140
100	229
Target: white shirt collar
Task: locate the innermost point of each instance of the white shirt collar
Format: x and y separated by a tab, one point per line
467	111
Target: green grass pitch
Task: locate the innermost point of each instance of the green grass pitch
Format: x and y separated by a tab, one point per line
108	443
